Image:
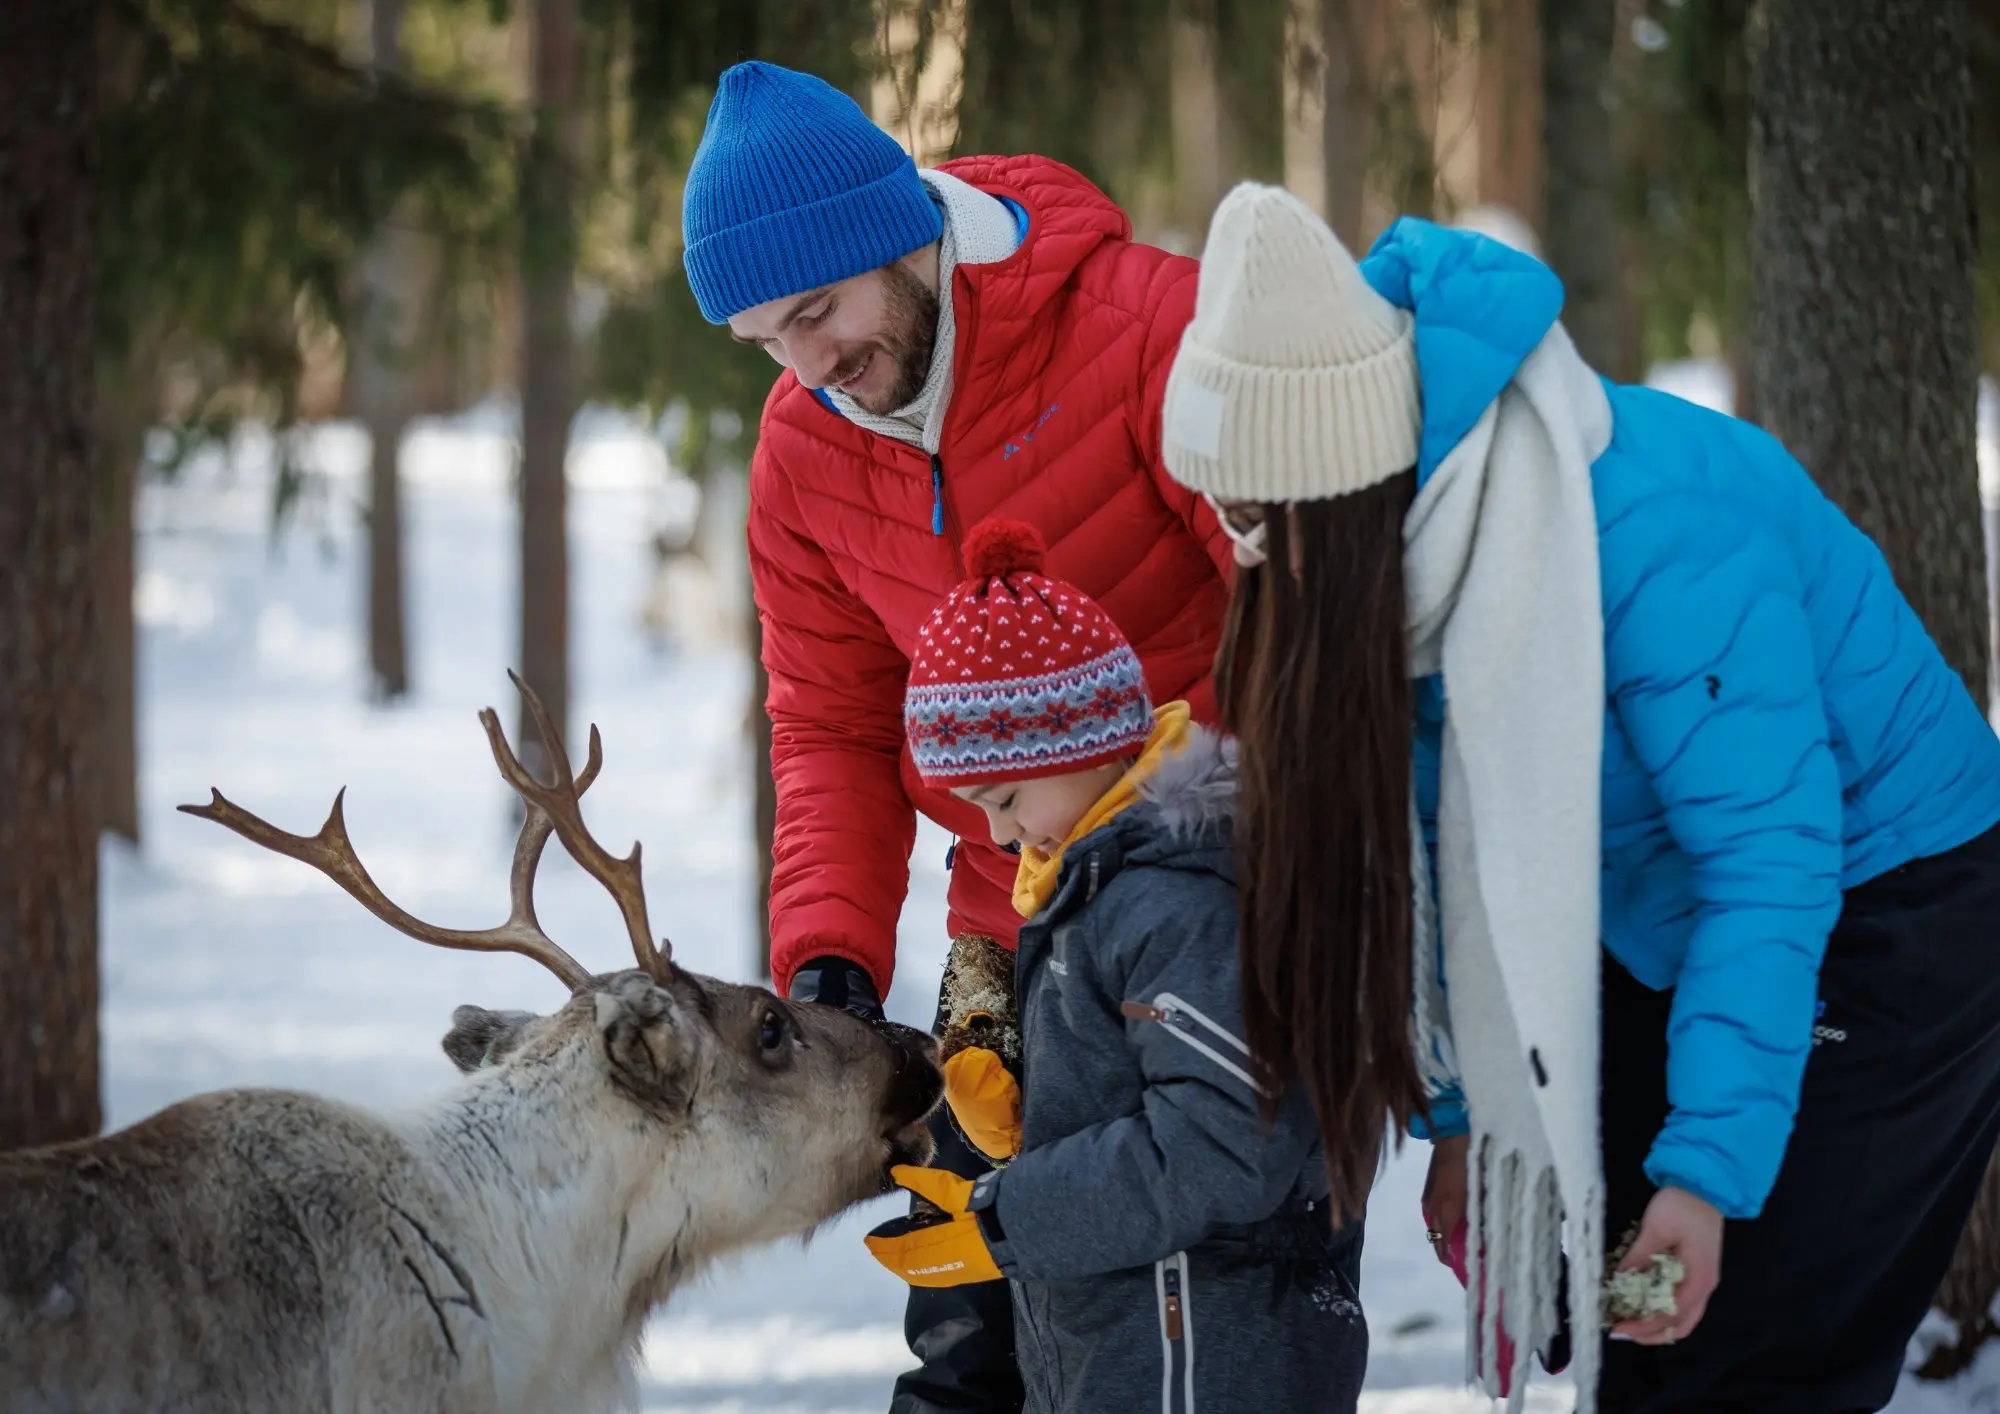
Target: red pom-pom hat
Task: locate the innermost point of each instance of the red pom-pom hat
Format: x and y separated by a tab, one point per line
1018	676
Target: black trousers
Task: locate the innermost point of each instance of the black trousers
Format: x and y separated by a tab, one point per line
962	1335
1901	1105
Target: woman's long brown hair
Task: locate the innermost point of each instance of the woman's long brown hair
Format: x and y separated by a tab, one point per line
1313	679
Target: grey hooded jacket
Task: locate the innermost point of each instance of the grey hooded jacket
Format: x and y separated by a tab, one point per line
1167	1250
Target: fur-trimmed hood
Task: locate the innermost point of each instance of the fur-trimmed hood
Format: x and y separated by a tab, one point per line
1184	818
1193	793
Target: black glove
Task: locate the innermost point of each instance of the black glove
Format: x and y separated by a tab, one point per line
834	981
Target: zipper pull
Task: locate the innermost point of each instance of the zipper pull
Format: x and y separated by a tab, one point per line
937	494
1173	1285
1140	1011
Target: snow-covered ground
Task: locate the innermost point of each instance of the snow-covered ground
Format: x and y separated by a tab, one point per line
228	966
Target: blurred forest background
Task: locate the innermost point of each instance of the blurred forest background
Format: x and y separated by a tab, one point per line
221	218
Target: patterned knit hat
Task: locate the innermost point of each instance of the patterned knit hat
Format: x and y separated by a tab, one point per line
1018	676
793	188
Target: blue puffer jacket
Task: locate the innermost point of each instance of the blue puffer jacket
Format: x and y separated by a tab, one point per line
1778	725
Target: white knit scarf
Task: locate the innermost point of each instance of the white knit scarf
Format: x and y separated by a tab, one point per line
1500	566
978	230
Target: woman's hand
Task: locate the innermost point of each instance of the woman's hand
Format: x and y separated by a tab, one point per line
1678	1222
1445	1191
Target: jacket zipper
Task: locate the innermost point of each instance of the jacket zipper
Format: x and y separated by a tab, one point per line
1170	1277
937	494
1182	1021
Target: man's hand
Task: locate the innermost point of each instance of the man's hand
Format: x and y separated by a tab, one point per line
1445	1188
835	981
1678	1222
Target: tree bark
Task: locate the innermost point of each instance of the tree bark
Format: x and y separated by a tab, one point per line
1969	1286
1865	351
388	650
381	376
49	509
122	413
1510	109
1580	227
1990	519
1347	118
548	377
1207	156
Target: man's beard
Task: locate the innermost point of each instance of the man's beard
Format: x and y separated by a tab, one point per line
908	340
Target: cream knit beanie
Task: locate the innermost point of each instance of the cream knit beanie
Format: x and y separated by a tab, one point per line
1295	380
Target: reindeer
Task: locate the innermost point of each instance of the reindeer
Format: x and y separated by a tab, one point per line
496	1250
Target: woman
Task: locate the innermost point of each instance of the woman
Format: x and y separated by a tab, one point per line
1699	793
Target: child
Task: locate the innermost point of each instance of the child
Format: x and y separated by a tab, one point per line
1165	1242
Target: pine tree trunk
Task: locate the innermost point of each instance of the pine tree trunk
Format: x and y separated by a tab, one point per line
548	378
1989	495
381	379
127	380
1865	346
121	447
388	653
1865	351
1990	518
49	503
1510	109
1206	155
1971	1284
1580	226
1347	131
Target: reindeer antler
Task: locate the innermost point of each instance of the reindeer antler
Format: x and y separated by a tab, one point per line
332	853
621	877
550	809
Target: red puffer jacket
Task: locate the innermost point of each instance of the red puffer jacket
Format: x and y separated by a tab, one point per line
1060	367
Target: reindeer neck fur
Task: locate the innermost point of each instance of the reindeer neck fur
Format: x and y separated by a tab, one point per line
528	1155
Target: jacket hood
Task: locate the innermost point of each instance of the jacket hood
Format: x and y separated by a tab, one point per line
1067	212
1481	308
1193	793
1068	219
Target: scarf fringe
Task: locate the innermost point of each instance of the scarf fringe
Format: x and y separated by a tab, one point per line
1515	1210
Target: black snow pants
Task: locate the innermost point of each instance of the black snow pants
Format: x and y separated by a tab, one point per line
963	1335
1901	1104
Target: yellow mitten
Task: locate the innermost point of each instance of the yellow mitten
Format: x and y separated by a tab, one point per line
985	1099
945	1250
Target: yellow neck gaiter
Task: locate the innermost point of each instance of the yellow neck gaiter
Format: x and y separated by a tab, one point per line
1035	883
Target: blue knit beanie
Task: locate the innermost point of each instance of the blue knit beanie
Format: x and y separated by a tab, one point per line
793	188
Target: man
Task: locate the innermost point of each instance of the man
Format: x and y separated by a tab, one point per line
978	339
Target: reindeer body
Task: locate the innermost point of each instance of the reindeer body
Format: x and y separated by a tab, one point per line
495	1252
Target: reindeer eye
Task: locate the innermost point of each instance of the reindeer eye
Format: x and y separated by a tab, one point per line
773	1033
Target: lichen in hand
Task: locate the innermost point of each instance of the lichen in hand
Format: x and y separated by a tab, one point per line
979	1003
1649	1291
1637	1295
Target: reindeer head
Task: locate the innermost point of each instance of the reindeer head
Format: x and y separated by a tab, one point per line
789	1112
796	1111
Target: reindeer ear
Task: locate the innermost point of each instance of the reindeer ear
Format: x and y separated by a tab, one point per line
643	1040
479	1037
